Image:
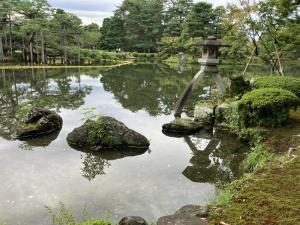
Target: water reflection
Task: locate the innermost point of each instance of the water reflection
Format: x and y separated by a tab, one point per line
52	89
94	164
216	157
41	141
155	89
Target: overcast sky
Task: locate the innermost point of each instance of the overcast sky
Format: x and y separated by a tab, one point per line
96	10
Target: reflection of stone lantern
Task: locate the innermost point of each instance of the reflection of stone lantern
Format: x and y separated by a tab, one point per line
208	62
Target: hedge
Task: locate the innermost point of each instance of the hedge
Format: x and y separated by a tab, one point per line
286	83
266	107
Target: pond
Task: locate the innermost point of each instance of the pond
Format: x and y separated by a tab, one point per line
175	171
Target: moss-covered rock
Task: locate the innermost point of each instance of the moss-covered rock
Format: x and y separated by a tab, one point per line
287	83
106	133
266	107
181	126
39	122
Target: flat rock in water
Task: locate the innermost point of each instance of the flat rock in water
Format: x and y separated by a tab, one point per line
106	133
182	126
181	219
40	122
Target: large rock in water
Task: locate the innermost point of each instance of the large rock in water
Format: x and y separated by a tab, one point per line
106	133
181	127
133	220
181	219
40	122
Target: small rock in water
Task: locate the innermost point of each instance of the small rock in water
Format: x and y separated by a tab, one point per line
39	122
181	220
133	220
106	133
182	127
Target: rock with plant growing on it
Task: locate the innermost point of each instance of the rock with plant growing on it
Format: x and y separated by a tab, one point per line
106	133
266	107
39	122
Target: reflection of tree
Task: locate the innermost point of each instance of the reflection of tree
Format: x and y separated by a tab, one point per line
54	89
216	157
151	87
93	165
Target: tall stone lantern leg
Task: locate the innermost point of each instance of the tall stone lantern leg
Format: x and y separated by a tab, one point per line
209	65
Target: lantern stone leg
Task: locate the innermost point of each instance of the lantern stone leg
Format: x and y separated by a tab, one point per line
209	62
220	84
188	90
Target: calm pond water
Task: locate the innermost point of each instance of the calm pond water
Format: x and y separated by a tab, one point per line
45	171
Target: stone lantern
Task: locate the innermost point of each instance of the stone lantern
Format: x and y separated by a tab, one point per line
209	65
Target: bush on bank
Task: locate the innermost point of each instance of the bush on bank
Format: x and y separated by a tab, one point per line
266	107
287	83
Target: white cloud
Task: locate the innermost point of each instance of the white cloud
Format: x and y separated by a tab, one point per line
96	10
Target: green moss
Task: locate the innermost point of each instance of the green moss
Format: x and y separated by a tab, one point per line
287	83
98	132
266	107
273	197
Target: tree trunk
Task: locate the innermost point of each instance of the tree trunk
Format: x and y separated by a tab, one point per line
43	47
249	61
10	40
65	45
37	48
31	52
78	46
1	50
23	50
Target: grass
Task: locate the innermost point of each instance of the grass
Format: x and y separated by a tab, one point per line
257	158
14	67
64	216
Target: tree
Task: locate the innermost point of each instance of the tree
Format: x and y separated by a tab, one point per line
175	15
66	26
112	33
142	23
200	22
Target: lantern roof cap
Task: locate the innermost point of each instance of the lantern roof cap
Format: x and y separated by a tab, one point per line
212	41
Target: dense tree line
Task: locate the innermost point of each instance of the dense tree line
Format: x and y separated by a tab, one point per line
34	32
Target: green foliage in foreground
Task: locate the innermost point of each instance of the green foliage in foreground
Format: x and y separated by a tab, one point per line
231	189
272	198
266	107
257	158
64	216
287	83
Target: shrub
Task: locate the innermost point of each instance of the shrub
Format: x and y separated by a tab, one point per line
266	107
238	85
287	83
